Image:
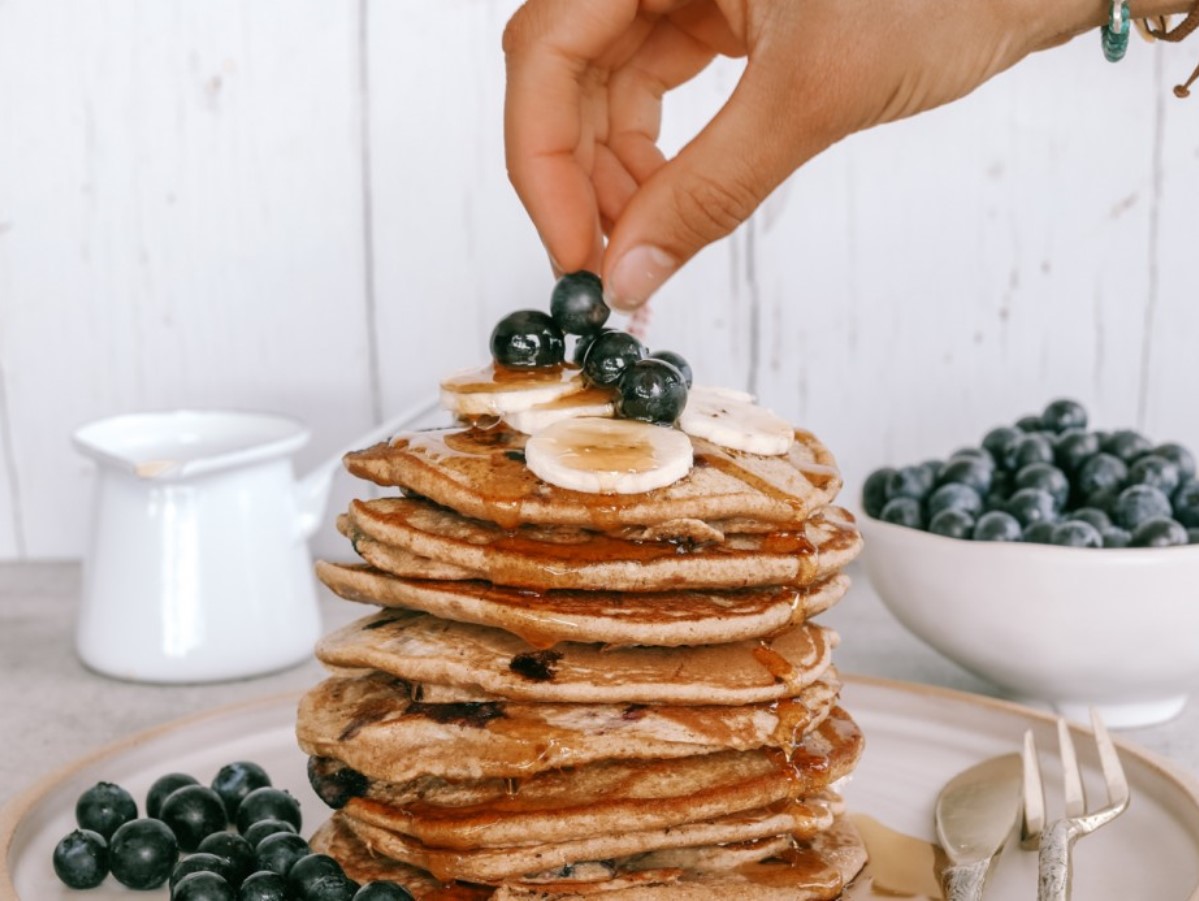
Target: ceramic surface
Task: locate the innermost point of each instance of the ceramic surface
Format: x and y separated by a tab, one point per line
1118	629
917	738
198	567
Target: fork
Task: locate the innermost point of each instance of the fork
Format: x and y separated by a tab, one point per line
1054	866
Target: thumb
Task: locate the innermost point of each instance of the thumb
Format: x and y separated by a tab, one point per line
715	183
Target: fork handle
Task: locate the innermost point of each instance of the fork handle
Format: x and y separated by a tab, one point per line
1055	869
965	881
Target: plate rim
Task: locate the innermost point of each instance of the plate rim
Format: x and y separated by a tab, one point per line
13	812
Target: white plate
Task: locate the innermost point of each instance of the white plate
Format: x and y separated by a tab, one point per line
917	737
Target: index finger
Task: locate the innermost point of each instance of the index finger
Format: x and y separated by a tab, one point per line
549	46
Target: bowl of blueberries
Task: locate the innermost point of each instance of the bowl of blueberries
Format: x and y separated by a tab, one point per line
1058	562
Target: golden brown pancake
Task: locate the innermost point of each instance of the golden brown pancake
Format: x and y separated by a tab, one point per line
481	474
544	618
539	558
370	723
429	651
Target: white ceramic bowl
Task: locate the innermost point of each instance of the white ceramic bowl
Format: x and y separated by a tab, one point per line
1118	629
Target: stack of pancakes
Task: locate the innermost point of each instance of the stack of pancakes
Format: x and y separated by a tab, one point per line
571	695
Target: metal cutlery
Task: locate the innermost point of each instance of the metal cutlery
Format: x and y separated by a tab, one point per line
975	814
1055	842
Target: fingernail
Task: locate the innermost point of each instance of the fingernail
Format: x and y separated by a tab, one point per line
637	275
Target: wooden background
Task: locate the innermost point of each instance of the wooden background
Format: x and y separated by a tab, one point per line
301	205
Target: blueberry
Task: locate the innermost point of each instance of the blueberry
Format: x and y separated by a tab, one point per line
236	780
952	523
909	481
1046	477
1076	533
577	303
1160	531
319	877
383	891
675	360
103	808
1192	536
1001	443
1001	490
268	804
277	853
1073	448
903	511
234	848
142	853
997	526
1029	423
874	491
583	344
162	787
1116	537
264	886
1159	472
1139	503
974	453
202	886
1092	515
1186	505
527	339
608	357
203	862
1179	456
1101	472
930	469
1064	414
1039	533
81	859
955	496
193	812
651	391
967	471
1035	448
1104	500
261	829
1029	505
1126	444
334	782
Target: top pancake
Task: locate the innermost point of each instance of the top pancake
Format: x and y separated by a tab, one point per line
482	474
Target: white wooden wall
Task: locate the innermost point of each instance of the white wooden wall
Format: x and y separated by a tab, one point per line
301	205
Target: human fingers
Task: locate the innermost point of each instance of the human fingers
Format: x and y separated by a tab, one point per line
752	144
549	48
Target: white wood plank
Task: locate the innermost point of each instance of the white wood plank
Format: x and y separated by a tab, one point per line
454	250
1170	395
10	501
182	185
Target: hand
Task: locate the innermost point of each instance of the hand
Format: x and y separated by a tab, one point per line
586	80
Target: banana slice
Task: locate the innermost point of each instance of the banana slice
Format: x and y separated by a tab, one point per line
590	402
608	456
731	419
496	391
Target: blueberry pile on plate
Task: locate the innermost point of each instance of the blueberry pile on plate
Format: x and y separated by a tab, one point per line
187	840
1048	479
651	387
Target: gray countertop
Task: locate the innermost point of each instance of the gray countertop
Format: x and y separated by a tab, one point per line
53	710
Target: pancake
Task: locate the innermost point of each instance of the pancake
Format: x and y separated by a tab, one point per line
482	474
426	650
535	557
611	795
371	723
816	869
544	618
491	865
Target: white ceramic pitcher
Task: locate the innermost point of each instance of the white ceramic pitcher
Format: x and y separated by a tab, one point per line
198	568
